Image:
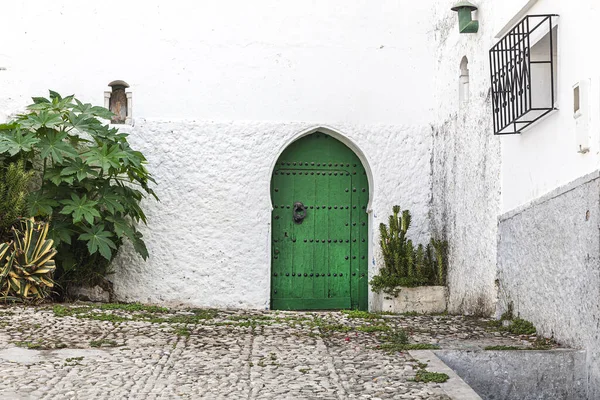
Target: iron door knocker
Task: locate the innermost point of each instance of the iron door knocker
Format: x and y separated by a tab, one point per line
299	212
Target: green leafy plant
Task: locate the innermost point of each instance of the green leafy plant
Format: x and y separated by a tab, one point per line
28	263
89	182
404	263
14	181
426	376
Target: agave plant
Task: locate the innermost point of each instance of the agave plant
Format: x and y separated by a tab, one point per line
26	263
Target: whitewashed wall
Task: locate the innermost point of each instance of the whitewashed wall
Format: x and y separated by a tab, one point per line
545	156
219	88
545	260
209	236
466	162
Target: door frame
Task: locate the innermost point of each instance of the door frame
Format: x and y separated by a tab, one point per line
336	134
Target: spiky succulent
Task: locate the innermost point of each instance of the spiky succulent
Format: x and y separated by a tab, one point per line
26	263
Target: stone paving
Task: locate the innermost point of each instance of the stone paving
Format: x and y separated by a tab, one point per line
87	351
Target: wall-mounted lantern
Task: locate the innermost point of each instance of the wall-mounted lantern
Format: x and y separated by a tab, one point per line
465	22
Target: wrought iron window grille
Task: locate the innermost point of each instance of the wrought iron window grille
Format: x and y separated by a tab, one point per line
523	81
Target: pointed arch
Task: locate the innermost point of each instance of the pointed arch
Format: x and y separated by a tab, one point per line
342	137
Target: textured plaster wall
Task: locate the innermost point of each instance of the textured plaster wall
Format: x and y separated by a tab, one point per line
545	156
465	162
549	267
209	236
257	67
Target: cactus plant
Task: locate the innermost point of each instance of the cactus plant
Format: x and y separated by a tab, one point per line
27	263
404	263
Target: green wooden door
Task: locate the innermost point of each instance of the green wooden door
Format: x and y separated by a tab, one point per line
319	256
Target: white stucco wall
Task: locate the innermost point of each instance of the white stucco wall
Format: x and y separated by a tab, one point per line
466	162
219	88
545	156
209	236
547	244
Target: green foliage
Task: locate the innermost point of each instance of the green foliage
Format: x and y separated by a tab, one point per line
504	348
516	326
14	181
361	314
397	340
28	263
404	263
90	182
521	327
426	376
103	343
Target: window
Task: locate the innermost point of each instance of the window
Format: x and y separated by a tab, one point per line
463	81
119	102
524	74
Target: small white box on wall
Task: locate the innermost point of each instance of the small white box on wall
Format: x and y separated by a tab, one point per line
581	114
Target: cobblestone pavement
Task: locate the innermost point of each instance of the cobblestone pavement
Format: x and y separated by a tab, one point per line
88	351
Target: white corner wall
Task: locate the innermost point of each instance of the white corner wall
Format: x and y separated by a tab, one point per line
465	162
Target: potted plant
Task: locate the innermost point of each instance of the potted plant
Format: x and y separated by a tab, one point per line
412	278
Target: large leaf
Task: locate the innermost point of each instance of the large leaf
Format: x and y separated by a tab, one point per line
61	232
111	201
140	246
105	157
90	110
15	142
79	169
54	145
124	228
43	119
99	240
80	208
84	122
39	205
55	176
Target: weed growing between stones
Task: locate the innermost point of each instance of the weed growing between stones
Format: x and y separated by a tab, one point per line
40	345
133	312
103	343
426	377
360	314
373	328
182	332
504	348
516	326
398	341
73	361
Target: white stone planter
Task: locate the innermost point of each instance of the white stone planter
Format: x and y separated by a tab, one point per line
421	299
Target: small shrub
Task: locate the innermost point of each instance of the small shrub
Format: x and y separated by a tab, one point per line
88	181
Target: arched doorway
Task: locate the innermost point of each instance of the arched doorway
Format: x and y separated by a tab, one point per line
319	251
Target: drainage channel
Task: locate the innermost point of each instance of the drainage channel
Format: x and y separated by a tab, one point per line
510	375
